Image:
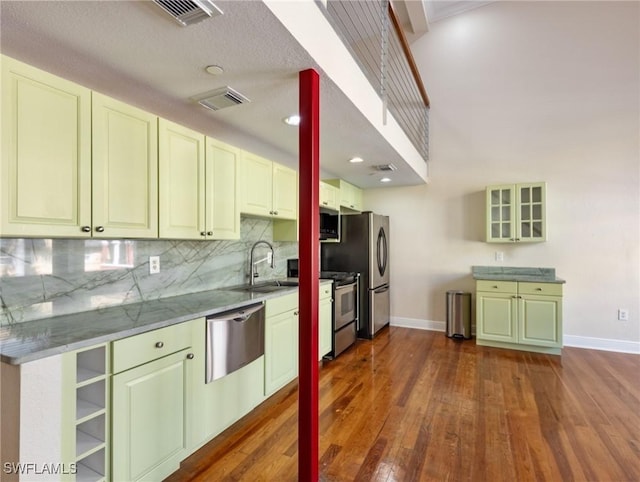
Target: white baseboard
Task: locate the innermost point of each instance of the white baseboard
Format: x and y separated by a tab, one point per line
605	344
575	341
418	324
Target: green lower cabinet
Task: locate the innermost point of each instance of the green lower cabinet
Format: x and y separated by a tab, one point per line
513	315
540	320
280	350
496	317
325	312
150	418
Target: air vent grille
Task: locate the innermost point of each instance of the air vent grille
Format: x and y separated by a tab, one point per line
187	12
221	98
385	167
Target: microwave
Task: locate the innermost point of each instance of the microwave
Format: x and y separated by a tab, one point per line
329	224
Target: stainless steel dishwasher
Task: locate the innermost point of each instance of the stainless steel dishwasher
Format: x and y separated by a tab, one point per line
234	339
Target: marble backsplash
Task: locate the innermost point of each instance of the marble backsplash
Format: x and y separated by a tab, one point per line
40	278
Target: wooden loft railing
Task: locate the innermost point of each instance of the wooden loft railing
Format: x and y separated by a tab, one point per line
407	52
372	33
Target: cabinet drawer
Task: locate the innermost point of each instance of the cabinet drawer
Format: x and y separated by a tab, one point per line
136	350
497	286
284	303
549	289
325	291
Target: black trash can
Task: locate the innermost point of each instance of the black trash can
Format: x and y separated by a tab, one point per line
458	314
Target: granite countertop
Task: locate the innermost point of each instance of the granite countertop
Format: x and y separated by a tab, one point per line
510	273
33	340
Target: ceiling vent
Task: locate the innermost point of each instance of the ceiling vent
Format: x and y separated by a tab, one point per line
221	98
385	167
188	12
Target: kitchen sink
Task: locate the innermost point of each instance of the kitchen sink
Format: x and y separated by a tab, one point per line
266	286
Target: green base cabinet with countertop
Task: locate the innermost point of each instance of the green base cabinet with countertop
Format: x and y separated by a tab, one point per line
151	405
131	409
522	315
281	342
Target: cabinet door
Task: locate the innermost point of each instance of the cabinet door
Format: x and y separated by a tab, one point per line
328	196
45	181
182	182
257	184
125	170
325	311
150	419
496	315
222	199
285	192
540	320
531	215
280	351
501	225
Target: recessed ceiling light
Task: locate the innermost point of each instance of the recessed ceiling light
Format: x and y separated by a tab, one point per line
292	120
355	160
385	179
214	69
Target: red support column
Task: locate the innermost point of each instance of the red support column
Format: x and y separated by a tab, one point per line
308	254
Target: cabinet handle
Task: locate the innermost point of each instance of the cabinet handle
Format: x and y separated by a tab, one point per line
538	289
190	356
100	229
86	229
159	344
202	233
275	212
325	202
209	233
296	313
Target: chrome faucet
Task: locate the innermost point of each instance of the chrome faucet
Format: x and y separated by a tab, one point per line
253	271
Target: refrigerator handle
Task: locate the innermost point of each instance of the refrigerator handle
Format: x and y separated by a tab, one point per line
382	289
382	252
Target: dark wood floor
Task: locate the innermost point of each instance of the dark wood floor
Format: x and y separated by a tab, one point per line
414	405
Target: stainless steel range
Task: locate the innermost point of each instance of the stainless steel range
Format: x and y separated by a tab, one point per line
345	309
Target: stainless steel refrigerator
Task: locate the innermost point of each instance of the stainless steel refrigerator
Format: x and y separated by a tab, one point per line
364	248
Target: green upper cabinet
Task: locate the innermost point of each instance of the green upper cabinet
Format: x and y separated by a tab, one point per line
285	192
329	196
350	196
516	213
182	182
222	179
198	185
268	188
125	170
46	154
73	166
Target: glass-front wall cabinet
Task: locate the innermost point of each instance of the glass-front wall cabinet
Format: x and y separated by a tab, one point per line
516	213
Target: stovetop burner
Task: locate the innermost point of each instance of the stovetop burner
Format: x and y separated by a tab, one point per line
339	277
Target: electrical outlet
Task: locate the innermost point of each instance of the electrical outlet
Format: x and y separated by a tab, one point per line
154	264
499	256
623	315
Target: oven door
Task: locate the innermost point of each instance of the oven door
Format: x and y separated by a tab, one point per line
345	304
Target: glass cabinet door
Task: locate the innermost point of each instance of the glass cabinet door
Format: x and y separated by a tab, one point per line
516	212
500	207
532	223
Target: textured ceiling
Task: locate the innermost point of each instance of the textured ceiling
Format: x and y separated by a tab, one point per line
134	52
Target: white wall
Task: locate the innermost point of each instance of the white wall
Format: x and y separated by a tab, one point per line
524	92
